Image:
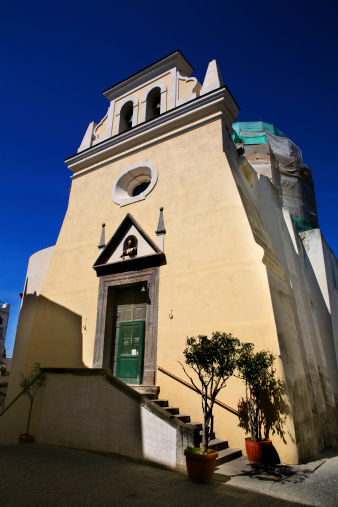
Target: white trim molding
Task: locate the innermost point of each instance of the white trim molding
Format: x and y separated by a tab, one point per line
98	139
192	95
110	119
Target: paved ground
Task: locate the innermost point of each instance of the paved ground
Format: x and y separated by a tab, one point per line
314	483
34	475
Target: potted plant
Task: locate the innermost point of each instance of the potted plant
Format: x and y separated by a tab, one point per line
214	361
30	386
3	369
264	406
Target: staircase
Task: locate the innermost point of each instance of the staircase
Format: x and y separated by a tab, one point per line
225	453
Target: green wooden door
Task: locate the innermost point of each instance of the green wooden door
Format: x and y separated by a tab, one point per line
130	352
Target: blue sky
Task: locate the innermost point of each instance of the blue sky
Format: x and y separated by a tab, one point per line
279	61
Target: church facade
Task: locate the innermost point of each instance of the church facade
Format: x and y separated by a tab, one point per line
170	232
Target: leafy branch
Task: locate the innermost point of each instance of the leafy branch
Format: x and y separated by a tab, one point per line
30	386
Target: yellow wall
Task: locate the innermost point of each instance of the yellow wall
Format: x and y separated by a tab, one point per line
214	278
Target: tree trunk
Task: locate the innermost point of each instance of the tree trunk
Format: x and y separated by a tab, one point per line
29	416
204	437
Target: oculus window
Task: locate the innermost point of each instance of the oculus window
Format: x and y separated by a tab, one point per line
134	183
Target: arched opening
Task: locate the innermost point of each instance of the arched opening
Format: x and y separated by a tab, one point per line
153	108
126	117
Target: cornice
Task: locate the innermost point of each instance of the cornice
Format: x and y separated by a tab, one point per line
174	60
193	114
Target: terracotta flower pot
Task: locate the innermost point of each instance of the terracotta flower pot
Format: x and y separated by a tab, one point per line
200	467
26	438
258	452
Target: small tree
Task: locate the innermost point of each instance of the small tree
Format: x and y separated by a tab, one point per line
31	384
264	394
214	361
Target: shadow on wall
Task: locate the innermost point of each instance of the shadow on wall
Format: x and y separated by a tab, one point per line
48	334
328	373
273	410
83	407
56	337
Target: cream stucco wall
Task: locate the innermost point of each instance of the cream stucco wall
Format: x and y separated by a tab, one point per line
193	186
214	278
186	87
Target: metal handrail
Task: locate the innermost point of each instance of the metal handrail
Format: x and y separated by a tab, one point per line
183	382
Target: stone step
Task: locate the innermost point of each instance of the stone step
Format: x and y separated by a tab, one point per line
225	453
217	444
161	403
172	410
228	455
150	396
198	425
151	392
183	417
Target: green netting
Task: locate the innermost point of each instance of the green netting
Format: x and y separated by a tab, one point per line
261	139
303	225
256	126
253	132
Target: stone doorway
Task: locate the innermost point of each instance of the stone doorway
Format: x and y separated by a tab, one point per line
120	297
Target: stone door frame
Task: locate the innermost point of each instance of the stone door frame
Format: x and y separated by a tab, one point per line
103	334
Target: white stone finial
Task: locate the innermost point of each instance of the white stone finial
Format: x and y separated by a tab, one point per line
160	232
213	78
88	137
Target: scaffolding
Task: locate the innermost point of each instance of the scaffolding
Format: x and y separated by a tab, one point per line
272	154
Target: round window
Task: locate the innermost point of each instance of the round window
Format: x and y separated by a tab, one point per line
134	183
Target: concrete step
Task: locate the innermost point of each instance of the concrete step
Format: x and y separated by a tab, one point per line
161	403
228	455
183	417
150	396
172	410
225	453
217	444
151	392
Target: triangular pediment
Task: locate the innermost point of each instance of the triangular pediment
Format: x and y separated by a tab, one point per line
144	251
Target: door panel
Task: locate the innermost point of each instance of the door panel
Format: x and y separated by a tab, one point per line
130	352
128	307
140	312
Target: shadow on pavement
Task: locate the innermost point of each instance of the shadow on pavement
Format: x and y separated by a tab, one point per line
278	473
